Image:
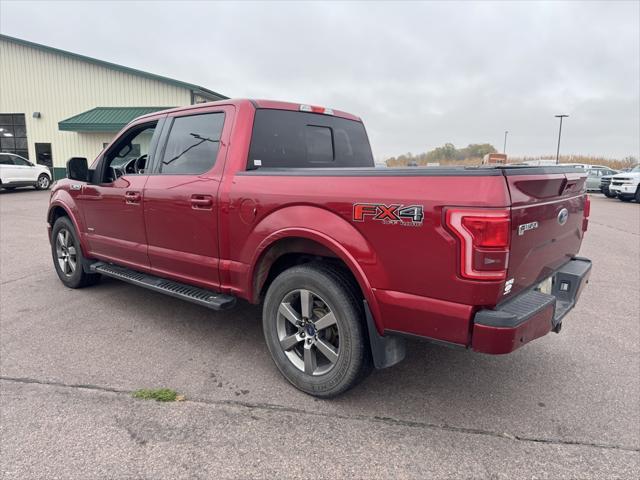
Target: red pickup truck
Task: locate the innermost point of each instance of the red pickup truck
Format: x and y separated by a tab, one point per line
280	203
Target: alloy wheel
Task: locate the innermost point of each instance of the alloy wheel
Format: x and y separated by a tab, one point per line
66	252
43	182
308	332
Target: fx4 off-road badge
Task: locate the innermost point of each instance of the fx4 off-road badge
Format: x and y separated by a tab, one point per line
405	215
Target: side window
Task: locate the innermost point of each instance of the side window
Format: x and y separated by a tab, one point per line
192	144
21	162
130	154
5	160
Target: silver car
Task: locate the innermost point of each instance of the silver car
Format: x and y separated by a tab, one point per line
594	177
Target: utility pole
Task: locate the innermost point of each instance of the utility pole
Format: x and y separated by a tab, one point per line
504	148
559	135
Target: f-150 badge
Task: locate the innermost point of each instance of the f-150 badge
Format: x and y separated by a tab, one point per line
527	226
405	215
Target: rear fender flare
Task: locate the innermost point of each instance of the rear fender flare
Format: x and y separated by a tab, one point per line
344	241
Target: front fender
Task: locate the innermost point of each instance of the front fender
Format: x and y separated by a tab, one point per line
329	230
61	198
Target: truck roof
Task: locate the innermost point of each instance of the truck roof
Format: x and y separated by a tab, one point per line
262	103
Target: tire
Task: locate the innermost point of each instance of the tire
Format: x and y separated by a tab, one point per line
340	348
67	256
625	198
608	194
43	182
638	195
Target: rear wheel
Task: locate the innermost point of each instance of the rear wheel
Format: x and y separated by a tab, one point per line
67	256
314	329
43	182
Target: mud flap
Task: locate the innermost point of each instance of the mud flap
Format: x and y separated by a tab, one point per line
386	351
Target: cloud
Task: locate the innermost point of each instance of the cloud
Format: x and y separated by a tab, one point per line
419	74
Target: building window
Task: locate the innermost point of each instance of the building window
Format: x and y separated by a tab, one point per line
13	134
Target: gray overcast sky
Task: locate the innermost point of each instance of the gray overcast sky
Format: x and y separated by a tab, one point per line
419	74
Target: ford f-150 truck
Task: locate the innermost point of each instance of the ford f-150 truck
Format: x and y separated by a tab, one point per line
280	203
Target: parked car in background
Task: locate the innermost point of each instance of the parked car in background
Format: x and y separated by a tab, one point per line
605	182
626	185
594	177
17	171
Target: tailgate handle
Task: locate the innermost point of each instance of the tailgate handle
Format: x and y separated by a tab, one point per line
567	185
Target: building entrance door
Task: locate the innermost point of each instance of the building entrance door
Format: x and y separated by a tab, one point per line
43	156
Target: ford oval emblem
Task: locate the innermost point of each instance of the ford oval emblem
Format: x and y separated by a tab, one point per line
563	216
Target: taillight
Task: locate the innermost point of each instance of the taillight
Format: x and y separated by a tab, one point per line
586	213
484	241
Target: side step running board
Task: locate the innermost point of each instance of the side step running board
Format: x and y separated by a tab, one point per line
206	298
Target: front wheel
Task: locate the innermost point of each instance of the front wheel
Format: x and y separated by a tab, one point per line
608	194
67	256
314	328
625	198
43	182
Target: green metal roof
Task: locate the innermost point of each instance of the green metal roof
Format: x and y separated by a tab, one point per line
105	119
204	92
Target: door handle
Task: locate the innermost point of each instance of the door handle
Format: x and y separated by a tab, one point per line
132	197
204	202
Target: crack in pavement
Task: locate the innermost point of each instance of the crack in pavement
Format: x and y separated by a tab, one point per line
614	228
364	418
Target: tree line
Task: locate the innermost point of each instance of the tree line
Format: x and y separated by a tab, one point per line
446	154
473	153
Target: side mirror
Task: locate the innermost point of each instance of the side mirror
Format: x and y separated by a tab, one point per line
78	169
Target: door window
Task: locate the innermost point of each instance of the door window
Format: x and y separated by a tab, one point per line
6	160
130	154
193	144
21	162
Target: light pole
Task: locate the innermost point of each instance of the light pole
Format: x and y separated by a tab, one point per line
559	135
504	148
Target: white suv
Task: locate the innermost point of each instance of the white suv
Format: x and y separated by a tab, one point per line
626	185
16	171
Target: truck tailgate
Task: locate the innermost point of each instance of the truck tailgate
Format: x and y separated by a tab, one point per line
547	215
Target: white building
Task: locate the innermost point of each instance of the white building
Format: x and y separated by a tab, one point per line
55	105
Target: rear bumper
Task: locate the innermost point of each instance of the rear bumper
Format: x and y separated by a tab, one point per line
531	314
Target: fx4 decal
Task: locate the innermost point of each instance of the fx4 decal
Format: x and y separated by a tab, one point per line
409	215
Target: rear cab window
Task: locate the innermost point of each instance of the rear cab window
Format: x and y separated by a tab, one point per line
290	139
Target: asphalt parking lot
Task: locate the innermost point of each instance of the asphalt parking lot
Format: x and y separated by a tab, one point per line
565	406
